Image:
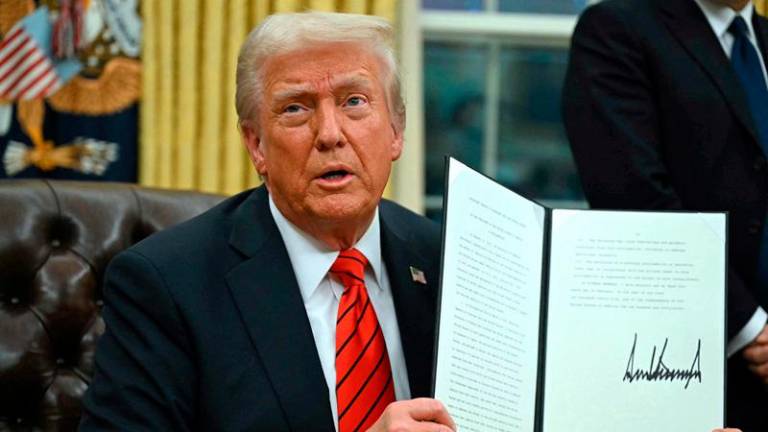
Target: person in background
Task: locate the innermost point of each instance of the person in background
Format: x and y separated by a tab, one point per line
305	304
666	107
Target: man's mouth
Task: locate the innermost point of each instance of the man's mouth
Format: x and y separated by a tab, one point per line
335	179
335	175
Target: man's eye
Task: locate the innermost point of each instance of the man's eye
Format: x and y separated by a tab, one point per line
355	101
292	109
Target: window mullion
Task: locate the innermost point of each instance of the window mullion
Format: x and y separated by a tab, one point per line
492	100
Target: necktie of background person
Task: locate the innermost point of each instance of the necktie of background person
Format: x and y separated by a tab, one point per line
364	384
746	64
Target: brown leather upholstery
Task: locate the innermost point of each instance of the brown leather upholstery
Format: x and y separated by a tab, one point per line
56	239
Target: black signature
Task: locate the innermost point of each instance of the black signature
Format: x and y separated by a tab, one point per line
658	371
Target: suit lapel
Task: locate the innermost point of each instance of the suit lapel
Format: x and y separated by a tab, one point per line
267	295
760	25
414	302
688	24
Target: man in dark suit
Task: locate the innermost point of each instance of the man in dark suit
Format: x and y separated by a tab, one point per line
304	305
665	105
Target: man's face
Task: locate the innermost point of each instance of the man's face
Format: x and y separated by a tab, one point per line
324	141
736	5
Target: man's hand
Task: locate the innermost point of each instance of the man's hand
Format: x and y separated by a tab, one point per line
756	353
419	415
727	430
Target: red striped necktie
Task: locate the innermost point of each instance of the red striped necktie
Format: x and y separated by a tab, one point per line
364	384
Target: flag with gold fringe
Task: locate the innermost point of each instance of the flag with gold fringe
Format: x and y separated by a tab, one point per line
70	80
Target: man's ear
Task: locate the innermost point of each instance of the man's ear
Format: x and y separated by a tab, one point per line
253	145
397	143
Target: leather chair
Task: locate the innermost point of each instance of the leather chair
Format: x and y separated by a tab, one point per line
56	238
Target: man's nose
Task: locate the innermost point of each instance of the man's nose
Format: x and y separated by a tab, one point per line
328	128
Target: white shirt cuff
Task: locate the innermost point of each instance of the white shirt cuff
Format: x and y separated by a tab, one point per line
749	332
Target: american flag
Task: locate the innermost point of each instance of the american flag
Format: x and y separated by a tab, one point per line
418	276
27	70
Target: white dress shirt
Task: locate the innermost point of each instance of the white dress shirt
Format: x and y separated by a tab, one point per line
720	18
311	261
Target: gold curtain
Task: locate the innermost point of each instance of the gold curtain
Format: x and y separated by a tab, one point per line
762	6
188	127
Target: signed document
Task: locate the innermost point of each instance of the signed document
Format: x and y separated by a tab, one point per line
572	320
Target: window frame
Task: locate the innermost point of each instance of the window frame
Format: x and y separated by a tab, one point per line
495	29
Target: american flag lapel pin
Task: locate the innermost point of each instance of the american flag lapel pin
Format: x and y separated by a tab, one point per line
418	275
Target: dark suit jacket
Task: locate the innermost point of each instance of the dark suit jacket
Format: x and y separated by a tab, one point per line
206	328
657	119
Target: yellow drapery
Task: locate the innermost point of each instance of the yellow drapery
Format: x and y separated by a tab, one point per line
762	6
188	126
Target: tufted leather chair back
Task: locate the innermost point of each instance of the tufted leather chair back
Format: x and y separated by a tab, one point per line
56	238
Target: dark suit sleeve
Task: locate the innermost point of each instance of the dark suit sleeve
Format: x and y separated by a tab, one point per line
144	371
612	124
610	117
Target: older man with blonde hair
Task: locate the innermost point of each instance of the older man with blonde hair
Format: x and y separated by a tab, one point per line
307	304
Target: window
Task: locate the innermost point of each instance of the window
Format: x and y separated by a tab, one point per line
493	74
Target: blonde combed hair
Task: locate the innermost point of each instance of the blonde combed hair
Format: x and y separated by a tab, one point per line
283	33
